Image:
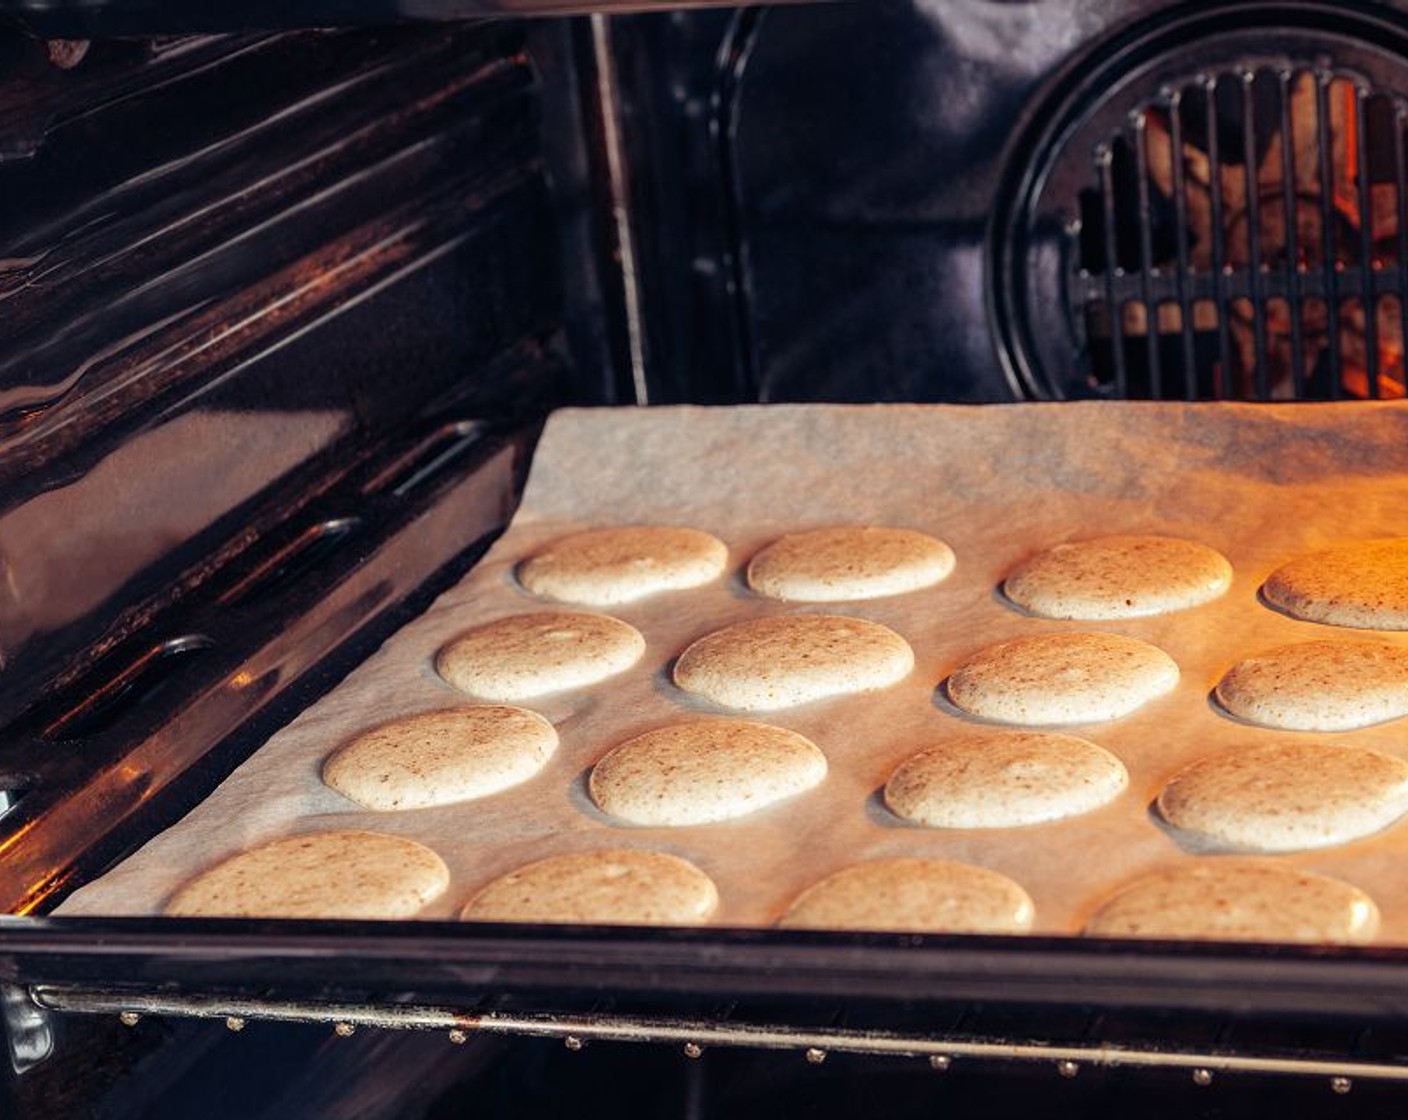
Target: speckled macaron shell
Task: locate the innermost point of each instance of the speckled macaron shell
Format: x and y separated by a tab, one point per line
704	771
609	566
1282	797
1238	900
765	664
436	758
849	563
529	655
1070	677
1119	577
1004	779
1326	685
1362	585
346	874
913	896
612	887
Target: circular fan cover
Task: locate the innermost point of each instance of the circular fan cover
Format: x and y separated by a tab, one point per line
1208	205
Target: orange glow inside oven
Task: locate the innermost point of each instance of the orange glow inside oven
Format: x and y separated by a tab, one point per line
1324	229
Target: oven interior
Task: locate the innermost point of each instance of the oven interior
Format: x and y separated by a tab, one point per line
287	295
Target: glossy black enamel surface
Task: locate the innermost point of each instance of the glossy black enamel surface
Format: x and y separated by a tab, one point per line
813	190
209	297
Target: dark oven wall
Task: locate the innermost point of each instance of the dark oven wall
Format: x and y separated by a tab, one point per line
970	200
232	267
811	189
784	203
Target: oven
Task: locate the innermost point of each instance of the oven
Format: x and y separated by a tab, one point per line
288	294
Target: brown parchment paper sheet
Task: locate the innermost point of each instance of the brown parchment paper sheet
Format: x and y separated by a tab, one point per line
1262	483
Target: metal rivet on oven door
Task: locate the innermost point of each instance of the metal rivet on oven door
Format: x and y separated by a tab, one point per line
234	1023
573	1043
1341	1085
693	1050
1202	1077
940	1062
1067	1068
459	1037
815	1055
343	1030
129	1018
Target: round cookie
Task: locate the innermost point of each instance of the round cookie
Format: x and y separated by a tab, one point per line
349	874
604	887
1319	686
436	758
605	567
1282	797
529	655
1004	779
1071	677
1119	577
852	562
703	771
1238	900
1362	585
765	664
913	896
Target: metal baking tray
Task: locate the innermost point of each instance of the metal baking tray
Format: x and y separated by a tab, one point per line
762	987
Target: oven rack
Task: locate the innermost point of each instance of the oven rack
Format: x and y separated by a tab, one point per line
693	1036
1207	1012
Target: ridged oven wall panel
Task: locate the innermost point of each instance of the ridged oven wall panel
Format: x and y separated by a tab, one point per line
227	265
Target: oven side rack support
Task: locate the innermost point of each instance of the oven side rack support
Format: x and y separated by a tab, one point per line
694	1036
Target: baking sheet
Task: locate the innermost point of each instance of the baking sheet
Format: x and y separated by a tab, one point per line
1261	483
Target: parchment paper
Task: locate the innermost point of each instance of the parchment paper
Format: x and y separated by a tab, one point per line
1261	483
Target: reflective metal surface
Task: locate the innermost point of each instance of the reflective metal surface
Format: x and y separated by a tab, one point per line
229	265
693	1036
